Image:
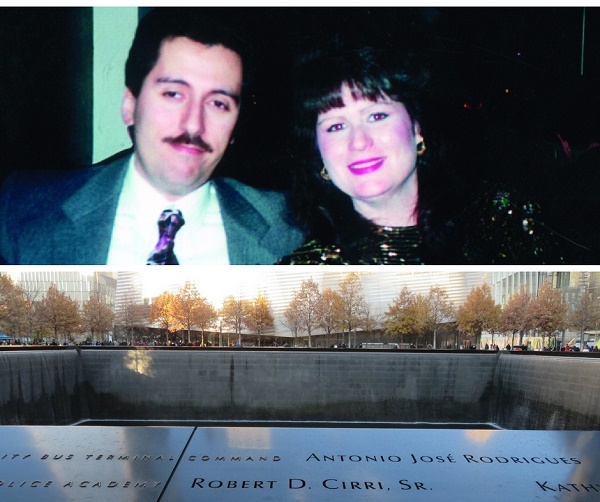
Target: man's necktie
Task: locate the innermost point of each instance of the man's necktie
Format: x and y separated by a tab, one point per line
169	222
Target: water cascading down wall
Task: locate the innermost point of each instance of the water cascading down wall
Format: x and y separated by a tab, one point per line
512	391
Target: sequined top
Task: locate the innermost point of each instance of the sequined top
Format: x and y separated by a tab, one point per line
497	227
383	246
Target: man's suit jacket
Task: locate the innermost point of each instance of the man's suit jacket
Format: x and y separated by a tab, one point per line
66	218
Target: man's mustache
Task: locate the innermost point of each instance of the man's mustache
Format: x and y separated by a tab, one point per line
189	139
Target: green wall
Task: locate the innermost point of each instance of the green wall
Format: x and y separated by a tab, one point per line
114	28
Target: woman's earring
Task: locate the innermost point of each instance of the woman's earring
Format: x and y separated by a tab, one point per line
325	174
421	147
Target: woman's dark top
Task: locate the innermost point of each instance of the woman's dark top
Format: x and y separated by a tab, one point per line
382	246
495	228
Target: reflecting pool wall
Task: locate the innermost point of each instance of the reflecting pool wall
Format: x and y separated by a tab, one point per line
41	387
514	391
549	392
280	385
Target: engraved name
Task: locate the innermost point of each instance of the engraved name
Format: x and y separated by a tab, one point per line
547	486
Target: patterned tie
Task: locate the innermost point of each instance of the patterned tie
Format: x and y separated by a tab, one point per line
169	222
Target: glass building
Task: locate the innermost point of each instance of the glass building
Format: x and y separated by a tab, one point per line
76	284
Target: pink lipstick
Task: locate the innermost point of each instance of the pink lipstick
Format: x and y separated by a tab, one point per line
366	166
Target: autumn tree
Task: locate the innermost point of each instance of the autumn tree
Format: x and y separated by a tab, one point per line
59	313
479	313
440	310
205	316
421	314
163	313
233	314
406	315
293	320
548	310
31	316
193	310
185	305
516	315
584	314
7	287
131	314
351	303
13	307
327	311
258	316
307	302
367	319
97	315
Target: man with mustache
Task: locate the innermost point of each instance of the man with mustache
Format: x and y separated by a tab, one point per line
159	203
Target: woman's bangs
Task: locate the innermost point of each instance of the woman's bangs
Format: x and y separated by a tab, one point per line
332	98
326	100
370	89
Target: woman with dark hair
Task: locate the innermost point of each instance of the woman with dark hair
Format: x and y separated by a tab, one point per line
362	186
373	183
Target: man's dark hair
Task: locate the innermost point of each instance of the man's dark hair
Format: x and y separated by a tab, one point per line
200	24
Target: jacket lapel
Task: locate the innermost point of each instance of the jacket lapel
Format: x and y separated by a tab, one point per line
248	232
90	212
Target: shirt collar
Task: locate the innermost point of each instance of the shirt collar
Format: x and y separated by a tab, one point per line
139	193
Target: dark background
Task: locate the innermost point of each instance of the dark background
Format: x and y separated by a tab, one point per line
46	87
477	54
